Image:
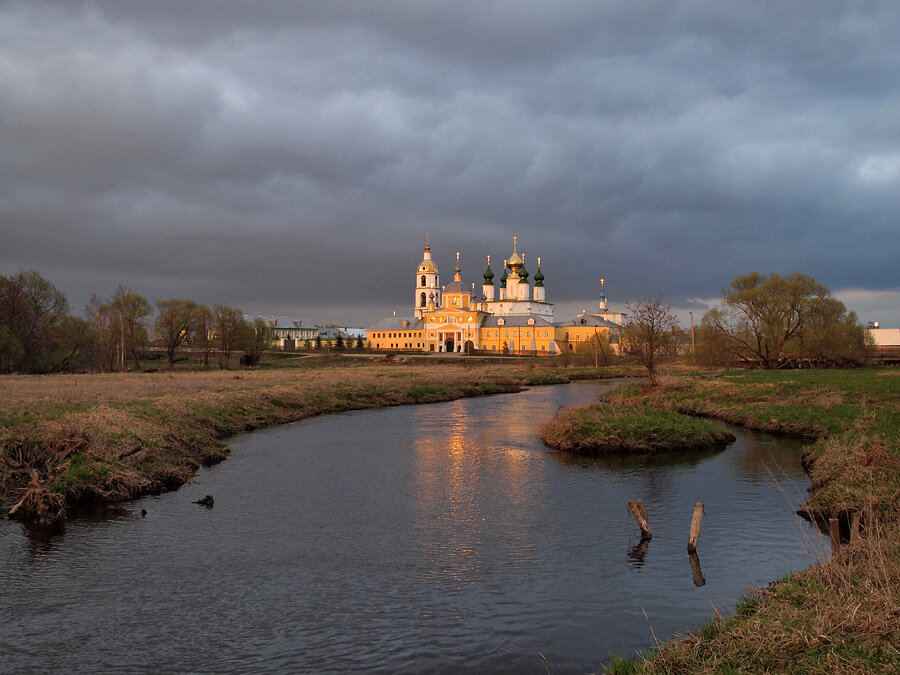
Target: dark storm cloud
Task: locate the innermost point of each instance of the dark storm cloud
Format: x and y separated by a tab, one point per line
291	156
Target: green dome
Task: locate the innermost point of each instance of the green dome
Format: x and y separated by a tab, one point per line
489	276
539	278
523	273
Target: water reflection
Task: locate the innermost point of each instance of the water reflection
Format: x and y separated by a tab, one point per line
438	538
696	573
464	482
637	554
42	536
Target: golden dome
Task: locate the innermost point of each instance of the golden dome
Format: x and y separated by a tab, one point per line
427	265
515	261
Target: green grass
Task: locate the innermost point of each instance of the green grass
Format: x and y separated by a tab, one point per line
839	616
81	471
629	429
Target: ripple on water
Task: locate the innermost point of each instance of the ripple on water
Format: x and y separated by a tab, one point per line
429	538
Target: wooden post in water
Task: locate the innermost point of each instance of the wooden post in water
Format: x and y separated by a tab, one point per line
640	515
834	530
696	521
854	528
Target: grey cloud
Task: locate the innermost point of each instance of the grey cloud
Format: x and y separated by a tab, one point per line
294	154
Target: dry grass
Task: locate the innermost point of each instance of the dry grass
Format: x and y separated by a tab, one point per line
73	439
842	616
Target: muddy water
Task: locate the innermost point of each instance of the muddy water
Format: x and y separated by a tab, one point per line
429	538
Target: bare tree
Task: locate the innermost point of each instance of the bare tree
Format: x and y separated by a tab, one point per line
648	334
105	334
203	333
174	325
130	312
227	322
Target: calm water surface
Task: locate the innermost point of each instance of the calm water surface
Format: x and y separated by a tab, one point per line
443	537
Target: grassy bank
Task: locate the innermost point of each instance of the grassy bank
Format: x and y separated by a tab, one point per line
69	440
634	430
844	614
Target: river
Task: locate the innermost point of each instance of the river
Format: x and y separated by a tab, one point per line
432	538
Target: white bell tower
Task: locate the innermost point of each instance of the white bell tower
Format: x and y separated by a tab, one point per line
428	284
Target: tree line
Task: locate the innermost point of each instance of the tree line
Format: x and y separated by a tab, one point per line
766	321
39	335
763	321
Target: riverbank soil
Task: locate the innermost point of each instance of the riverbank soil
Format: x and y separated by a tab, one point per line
842	616
632	430
72	440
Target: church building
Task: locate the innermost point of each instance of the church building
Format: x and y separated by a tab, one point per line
509	317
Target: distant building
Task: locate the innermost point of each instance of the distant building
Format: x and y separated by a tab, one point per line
513	317
290	333
886	342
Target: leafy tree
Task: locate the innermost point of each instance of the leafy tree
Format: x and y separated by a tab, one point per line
318	342
649	334
31	308
72	344
257	337
175	323
714	348
359	342
767	318
307	345
227	324
130	310
833	334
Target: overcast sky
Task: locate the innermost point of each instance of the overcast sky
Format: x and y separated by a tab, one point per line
289	157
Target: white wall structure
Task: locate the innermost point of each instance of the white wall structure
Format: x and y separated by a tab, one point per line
428	284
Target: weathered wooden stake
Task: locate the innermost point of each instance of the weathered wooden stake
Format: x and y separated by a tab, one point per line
834	530
854	528
640	515
696	521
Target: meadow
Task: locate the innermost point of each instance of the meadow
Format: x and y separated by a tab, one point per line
842	615
79	440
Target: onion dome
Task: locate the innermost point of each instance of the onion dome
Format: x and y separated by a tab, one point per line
515	262
505	275
523	274
489	274
427	265
539	276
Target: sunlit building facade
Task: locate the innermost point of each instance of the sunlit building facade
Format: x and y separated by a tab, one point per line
509	316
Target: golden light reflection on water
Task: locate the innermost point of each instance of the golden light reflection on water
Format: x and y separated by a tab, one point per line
459	479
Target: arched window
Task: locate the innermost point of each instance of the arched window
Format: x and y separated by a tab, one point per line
422	298
423	279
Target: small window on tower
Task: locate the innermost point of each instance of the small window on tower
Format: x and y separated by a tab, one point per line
423	279
422	299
